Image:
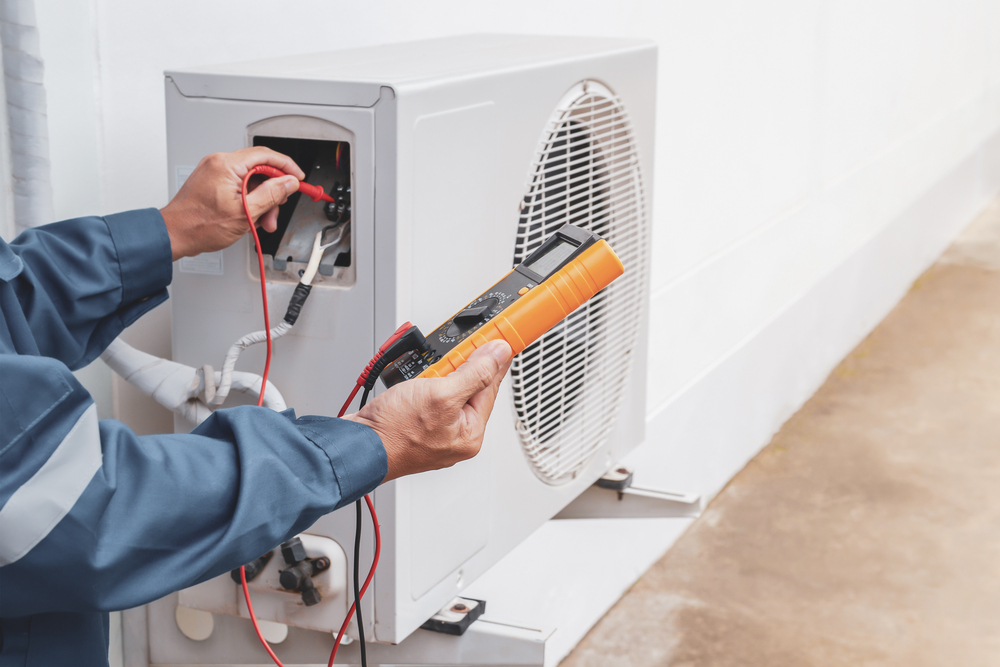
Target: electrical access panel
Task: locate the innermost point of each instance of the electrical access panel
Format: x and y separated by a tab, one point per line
451	161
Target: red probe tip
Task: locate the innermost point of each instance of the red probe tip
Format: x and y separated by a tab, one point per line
314	192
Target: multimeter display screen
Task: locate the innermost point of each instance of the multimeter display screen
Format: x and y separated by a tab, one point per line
552	259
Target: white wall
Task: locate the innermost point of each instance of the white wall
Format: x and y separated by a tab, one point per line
67	41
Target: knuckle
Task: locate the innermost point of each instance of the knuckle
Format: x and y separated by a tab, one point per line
424	421
273	197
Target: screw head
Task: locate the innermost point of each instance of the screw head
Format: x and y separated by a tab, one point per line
459	607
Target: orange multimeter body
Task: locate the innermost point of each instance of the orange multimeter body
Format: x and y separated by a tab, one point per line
569	268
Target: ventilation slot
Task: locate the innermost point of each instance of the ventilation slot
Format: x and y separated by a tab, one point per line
568	385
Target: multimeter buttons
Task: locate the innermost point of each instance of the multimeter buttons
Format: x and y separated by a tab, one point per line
478	311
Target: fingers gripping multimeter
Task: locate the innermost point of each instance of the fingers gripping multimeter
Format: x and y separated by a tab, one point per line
569	268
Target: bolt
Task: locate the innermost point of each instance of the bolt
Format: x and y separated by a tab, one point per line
460	607
311	596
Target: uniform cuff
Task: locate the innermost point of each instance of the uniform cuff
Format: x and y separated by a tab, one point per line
356	454
144	255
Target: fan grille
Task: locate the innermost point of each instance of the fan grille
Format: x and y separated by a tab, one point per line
568	385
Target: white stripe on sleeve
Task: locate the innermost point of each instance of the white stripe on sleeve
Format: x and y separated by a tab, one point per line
41	502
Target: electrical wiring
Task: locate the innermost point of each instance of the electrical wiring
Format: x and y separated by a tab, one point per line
253	617
220	393
267	367
229	365
316	194
368	580
347	403
408	336
357	592
271	172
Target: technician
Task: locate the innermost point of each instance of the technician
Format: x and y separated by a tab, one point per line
93	517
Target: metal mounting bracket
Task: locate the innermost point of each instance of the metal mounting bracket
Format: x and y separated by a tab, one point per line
614	497
456	616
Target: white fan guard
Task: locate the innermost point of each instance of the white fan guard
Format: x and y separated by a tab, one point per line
569	384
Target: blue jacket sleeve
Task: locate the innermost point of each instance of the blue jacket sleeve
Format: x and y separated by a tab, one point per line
94	517
81	282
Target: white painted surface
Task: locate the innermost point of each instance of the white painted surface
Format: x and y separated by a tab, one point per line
7	231
570	572
67	38
792	139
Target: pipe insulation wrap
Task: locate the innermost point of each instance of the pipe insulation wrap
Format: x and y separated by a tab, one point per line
178	387
228	366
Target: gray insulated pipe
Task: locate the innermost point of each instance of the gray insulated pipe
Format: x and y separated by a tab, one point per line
27	121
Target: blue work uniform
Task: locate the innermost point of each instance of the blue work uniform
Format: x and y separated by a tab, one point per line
94	518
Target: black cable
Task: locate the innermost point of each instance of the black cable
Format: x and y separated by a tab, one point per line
357	588
357	567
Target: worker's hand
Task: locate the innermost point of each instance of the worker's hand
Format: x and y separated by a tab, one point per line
432	423
207	213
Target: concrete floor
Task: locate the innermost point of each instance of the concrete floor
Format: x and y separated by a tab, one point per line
868	531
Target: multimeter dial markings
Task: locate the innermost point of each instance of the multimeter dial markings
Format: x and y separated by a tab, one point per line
470	317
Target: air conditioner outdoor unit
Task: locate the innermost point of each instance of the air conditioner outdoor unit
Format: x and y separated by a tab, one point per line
457	157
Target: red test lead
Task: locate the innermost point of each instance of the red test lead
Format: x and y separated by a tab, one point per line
314	192
403	336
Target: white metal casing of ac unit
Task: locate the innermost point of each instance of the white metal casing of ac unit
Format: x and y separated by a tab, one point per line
445	136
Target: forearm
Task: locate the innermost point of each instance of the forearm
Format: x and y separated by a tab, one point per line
80	282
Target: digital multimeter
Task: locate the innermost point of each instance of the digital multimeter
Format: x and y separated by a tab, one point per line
569	268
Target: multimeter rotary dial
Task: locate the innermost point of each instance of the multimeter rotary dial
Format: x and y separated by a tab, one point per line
470	317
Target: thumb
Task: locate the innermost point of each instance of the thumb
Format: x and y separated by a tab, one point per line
479	371
270	193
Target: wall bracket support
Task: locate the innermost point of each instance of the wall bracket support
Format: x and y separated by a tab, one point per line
615	497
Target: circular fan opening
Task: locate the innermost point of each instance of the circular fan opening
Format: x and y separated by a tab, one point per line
568	385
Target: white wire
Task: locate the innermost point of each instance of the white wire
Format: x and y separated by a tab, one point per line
229	365
314	258
317	254
217	390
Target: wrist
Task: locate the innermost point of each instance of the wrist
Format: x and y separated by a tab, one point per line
393	452
178	242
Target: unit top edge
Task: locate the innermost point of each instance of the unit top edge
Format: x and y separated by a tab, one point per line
408	63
